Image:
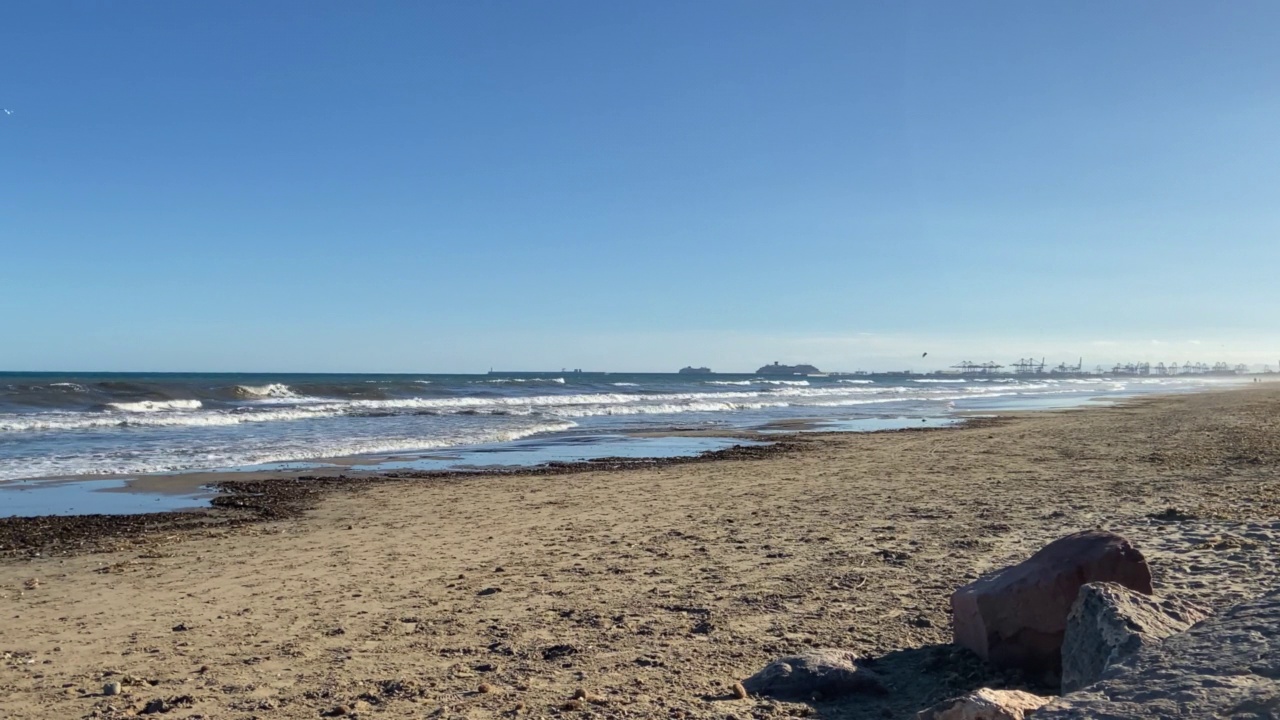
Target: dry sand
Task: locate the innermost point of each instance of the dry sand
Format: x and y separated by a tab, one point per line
651	589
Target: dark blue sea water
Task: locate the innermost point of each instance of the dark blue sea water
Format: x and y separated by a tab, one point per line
59	425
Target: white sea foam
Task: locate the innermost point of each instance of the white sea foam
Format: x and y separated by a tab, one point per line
661	408
140	440
142	406
189	413
626	384
852	402
74	386
273	390
757	381
185	412
938	381
127	463
527	380
177	418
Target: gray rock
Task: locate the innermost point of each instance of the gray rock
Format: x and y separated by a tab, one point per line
826	673
1109	622
1227	666
111	688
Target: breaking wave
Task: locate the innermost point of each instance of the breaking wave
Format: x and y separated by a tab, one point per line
141	406
176	461
758	381
73	424
272	390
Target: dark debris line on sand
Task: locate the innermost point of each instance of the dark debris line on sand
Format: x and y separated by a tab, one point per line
243	502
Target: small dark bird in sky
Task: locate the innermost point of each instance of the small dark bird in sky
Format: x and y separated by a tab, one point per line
923	354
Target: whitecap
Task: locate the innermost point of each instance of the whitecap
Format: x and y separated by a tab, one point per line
129	463
156	405
273	390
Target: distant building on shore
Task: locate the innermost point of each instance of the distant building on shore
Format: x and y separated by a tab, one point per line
779	369
690	370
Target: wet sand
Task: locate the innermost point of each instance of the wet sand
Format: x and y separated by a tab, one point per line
190	490
652	587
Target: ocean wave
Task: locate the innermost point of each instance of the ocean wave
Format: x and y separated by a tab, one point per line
939	381
858	382
128	463
273	390
141	406
868	401
625	384
190	413
559	381
661	408
84	421
757	381
75	387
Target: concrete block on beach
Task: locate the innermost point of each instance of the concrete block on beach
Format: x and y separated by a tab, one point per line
1110	622
1016	617
1225	667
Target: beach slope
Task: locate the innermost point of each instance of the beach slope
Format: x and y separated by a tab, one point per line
652	590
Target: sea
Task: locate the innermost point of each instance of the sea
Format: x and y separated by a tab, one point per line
115	426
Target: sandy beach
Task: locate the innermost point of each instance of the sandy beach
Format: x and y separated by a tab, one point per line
650	588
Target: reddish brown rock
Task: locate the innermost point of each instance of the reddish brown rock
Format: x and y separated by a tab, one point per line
1016	617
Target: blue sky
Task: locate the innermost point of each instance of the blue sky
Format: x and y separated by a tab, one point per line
447	186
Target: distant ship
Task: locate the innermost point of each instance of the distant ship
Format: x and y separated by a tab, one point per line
690	370
779	369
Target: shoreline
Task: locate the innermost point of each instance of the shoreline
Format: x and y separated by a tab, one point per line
192	489
238	498
673	443
652	585
450	424
273	496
